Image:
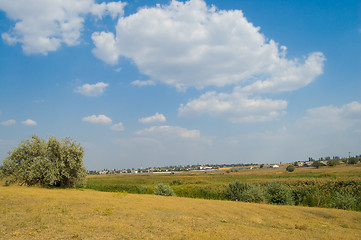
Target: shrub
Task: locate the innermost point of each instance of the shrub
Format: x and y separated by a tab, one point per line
48	163
244	192
279	194
352	160
163	190
344	201
253	194
232	192
333	162
310	196
317	164
290	168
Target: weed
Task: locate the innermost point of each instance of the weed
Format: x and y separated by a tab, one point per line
75	235
176	182
107	212
300	226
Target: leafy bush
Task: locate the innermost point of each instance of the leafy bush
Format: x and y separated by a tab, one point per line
317	164
48	163
253	194
290	168
233	191
279	194
352	160
333	162
310	196
163	190
344	201
244	192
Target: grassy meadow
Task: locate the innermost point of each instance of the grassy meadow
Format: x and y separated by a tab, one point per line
114	212
40	213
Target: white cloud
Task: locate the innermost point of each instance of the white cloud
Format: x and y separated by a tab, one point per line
170	131
43	26
188	44
236	107
105	47
118	127
8	122
326	131
290	75
352	111
114	9
92	90
335	117
29	122
98	119
156	118
191	45
143	83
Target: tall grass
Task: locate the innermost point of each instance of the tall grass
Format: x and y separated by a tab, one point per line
337	187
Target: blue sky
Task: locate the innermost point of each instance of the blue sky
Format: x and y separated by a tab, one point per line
156	83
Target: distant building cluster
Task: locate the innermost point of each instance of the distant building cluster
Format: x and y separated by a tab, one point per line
327	161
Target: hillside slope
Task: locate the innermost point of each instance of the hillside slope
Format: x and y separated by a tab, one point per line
36	213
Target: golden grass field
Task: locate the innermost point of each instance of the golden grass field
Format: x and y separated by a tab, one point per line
38	213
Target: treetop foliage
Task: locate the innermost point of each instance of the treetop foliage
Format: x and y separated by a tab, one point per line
290	168
48	163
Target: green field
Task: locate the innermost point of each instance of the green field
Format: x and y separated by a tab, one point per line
310	186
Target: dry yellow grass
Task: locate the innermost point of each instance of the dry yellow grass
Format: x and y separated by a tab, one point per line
36	213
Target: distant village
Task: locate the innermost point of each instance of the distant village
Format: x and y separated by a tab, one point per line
327	161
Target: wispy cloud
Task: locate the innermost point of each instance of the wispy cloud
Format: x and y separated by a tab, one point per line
118	127
156	118
29	122
8	122
143	83
92	90
236	107
98	119
170	131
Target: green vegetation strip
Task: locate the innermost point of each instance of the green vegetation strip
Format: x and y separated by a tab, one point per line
315	189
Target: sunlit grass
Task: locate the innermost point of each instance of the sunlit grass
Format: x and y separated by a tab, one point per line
211	184
36	213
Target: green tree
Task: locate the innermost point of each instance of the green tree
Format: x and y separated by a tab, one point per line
352	160
333	162
47	163
317	164
290	168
